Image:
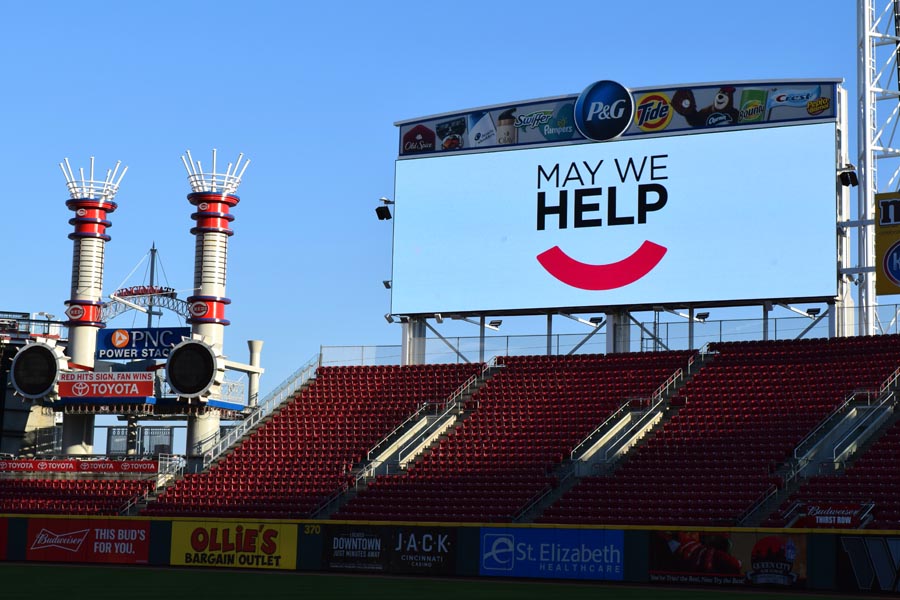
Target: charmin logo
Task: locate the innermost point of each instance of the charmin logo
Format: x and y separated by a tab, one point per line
199	308
70	542
120	338
604	110
654	112
499	552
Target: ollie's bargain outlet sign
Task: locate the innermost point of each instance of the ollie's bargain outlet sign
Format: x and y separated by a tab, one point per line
88	384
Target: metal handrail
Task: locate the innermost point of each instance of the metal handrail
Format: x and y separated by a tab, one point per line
652	403
265	407
771	491
452	402
864	422
402	426
811	438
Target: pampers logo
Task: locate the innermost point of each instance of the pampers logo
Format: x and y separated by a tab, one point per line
604	110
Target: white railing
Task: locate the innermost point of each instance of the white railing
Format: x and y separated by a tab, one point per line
869	423
607	424
813	438
451	404
265	407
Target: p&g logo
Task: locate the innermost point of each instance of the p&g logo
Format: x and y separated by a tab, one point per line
604	110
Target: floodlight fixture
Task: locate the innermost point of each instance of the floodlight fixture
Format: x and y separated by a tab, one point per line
813	312
847	175
596	320
438	317
387	284
702	317
495	324
383	213
389	318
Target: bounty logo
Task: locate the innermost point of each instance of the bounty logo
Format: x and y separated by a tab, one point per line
498	552
120	338
604	110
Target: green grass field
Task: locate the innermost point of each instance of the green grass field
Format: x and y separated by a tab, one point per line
66	582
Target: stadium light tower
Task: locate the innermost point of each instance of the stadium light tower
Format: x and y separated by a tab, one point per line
878	80
196	367
91	200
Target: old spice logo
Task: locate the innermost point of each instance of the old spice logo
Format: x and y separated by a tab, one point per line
418	139
70	542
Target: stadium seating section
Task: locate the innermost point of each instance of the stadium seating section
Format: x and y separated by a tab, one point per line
524	423
738	419
305	453
729	429
70	496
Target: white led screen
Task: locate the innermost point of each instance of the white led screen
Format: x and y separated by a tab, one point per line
728	216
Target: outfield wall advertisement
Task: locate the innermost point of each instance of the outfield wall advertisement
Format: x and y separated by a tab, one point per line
728	558
88	541
553	553
670	220
238	544
408	550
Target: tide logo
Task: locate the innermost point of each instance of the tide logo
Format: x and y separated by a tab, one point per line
120	338
654	112
604	110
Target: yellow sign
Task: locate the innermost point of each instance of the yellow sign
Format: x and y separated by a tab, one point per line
887	243
239	544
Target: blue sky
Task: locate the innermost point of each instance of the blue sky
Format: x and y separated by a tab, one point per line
310	96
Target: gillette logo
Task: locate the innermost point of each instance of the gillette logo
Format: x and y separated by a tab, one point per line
604	110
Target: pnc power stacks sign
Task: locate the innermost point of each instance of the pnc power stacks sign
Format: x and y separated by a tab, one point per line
619	197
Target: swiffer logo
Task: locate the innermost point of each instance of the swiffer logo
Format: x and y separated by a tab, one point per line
604	110
577	189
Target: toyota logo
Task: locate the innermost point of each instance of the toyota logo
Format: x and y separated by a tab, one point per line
81	388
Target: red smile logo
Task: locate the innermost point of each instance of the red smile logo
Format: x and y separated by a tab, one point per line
602	277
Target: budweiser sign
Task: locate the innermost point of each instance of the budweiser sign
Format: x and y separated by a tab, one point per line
70	542
846	515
